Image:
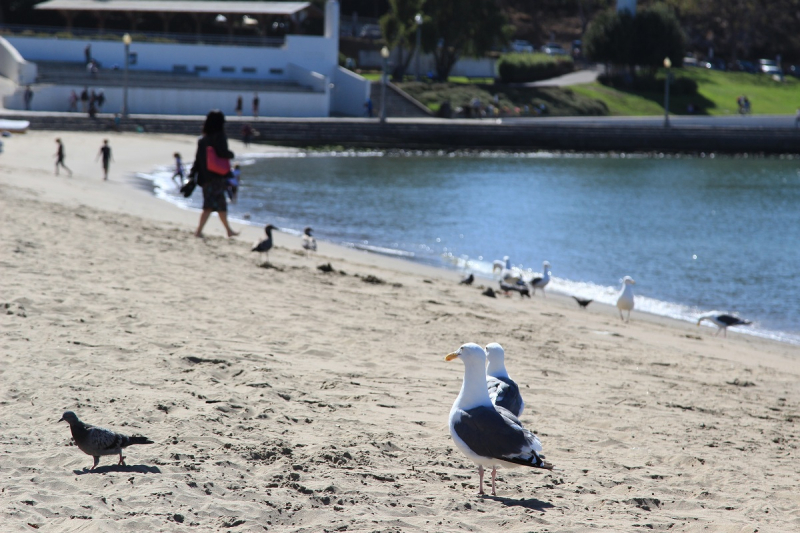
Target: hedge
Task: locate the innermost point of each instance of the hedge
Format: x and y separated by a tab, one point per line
523	68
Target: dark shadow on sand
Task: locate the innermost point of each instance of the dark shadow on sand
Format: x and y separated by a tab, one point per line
530	503
141	469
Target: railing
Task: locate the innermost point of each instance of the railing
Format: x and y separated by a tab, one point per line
95	34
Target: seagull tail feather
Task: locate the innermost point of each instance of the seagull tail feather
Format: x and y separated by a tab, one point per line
534	461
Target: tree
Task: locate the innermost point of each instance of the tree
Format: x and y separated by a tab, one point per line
457	28
399	30
643	40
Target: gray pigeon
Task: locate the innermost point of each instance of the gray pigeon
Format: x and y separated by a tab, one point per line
96	441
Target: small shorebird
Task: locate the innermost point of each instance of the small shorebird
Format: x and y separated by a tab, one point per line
625	299
266	245
309	242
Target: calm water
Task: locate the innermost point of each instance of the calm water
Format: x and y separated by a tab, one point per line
697	234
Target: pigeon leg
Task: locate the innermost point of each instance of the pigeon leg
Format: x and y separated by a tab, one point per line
480	483
96	460
121	459
494	474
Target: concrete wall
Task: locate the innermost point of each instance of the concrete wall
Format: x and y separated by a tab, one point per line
180	102
350	92
13	66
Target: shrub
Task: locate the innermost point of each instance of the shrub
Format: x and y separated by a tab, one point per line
523	68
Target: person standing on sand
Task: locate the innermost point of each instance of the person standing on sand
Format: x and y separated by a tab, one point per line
105	153
256	103
178	169
239	106
60	157
214	185
27	97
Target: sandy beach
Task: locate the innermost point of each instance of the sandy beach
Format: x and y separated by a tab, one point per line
290	399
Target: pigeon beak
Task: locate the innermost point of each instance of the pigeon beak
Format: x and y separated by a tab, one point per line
60	420
451	356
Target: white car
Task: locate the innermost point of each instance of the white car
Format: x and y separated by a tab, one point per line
554	49
521	46
768	66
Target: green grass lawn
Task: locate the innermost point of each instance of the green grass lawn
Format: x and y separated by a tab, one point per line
717	94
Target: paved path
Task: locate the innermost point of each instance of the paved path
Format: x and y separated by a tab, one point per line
573	78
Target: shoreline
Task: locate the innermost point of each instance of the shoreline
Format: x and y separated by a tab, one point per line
288	399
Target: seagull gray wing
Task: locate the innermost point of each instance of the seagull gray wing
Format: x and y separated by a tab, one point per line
505	393
497	433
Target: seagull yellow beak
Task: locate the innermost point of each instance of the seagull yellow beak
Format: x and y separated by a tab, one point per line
451	356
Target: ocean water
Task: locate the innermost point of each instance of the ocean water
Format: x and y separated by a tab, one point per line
696	233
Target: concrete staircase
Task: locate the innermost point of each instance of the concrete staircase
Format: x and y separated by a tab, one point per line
398	103
75	74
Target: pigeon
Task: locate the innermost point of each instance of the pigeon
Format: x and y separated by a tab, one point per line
724	321
582	302
521	288
96	441
467	280
309	242
540	282
625	299
266	245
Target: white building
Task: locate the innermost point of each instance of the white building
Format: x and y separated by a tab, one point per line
293	75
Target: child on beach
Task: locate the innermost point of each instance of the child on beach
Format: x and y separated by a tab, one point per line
233	183
178	169
105	153
59	155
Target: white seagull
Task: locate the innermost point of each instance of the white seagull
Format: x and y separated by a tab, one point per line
510	275
724	321
503	392
541	281
625	299
490	436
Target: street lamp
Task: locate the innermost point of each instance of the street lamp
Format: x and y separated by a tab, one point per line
385	56
127	40
418	20
668	66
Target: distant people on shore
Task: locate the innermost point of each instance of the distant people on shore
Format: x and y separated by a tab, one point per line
744	105
105	153
239	106
27	97
247	135
85	99
178	169
101	99
87	53
211	168
256	104
73	101
368	107
60	156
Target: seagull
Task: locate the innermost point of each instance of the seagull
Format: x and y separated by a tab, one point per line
625	299
508	274
266	245
582	302
724	321
521	288
467	280
489	435
503	391
309	242
540	282
96	441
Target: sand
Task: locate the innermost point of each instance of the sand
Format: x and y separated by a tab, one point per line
288	399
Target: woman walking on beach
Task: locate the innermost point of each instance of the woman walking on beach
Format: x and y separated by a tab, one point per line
211	168
105	153
60	157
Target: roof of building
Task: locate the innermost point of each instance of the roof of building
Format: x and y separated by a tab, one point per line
177	6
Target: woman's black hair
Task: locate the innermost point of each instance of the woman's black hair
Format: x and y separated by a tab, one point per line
215	122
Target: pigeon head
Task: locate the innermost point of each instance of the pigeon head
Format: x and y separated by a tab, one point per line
69	417
470	353
268	229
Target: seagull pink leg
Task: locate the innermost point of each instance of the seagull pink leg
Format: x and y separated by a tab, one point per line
494	474
480	475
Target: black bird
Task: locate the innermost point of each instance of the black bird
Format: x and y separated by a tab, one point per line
724	321
97	441
582	302
521	288
467	280
266	245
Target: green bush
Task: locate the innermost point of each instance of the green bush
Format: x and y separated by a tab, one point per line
523	68
650	84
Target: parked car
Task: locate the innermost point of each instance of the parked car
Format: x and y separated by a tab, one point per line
768	66
554	49
713	64
521	46
794	70
744	66
370	31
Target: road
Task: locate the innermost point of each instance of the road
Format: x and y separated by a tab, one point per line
736	121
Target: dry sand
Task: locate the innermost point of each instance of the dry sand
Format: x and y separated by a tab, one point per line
288	399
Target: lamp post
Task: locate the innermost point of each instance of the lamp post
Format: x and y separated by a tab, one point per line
127	40
418	20
385	56
668	66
